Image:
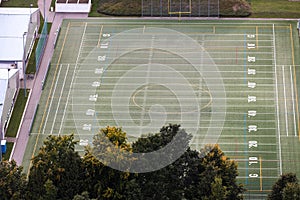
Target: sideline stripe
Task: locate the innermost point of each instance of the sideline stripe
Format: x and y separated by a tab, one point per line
52	97
58	61
100	36
246	148
43	118
293	101
256	37
245	59
292	44
260	174
295	78
277	106
285	104
73	76
59	99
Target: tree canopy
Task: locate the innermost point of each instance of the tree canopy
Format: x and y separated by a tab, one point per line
56	170
59	172
286	188
12	181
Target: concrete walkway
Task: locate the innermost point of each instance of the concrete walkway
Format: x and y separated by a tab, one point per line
36	84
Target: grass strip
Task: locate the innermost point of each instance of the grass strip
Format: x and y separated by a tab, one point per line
16	117
275	9
19	3
9	147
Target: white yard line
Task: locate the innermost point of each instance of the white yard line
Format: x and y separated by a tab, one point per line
147	81
59	99
52	97
277	106
285	105
100	36
293	100
77	59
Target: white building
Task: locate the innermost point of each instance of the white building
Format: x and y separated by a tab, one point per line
73	6
9	85
19	28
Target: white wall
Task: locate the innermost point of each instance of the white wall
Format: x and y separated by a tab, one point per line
73	7
9	88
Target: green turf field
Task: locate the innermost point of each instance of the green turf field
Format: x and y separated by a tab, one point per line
226	82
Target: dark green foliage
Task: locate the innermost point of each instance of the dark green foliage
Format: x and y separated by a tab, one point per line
56	170
51	190
291	191
103	182
119	8
193	176
233	8
239	8
12	181
286	182
83	196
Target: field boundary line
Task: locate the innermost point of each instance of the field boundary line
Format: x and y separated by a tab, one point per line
295	78
285	105
35	145
52	97
60	95
58	61
260	174
292	44
100	35
277	110
293	100
76	64
256	31
145	96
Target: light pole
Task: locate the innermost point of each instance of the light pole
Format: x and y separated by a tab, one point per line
45	20
8	77
30	12
24	74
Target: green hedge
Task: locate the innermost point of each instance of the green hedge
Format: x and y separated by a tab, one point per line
236	8
119	7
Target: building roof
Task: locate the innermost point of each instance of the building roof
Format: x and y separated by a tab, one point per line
14	22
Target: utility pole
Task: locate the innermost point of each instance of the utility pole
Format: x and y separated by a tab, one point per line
45	18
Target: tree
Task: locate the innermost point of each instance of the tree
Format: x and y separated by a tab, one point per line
207	174
12	181
83	196
167	182
218	191
286	188
108	149
56	170
214	159
214	168
93	169
291	191
51	190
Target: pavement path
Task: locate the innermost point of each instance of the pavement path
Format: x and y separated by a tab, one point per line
36	83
